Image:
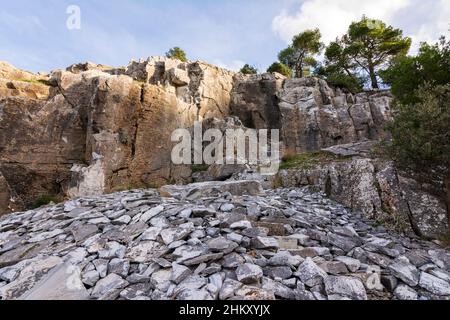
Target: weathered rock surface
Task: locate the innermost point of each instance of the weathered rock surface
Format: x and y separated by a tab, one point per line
9	202
173	248
310	114
62	283
212	189
91	129
374	187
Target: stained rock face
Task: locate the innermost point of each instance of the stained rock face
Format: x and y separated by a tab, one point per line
255	101
174	248
92	128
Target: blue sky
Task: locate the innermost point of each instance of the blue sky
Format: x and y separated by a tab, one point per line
34	36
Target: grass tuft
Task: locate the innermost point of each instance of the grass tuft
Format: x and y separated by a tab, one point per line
308	160
199	168
36	81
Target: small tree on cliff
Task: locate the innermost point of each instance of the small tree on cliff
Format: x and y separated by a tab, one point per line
369	44
280	68
248	69
339	69
300	54
177	53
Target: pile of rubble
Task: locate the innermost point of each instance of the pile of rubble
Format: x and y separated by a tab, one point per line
214	240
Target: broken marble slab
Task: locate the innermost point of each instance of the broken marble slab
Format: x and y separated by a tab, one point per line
61	283
212	189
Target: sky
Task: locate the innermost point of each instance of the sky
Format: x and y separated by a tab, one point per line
34	35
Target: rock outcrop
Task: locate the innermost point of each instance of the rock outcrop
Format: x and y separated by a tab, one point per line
19	83
376	188
289	244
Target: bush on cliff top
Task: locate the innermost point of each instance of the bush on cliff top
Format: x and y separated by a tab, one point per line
177	53
248	69
281	69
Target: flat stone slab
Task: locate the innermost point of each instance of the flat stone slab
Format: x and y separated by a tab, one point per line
212	189
352	149
61	283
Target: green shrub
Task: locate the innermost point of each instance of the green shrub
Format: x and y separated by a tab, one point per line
420	132
308	160
248	69
281	69
177	53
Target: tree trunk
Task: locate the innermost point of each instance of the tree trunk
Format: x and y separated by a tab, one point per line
373	76
300	72
299	67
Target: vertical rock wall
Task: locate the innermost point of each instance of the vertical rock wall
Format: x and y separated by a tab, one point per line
93	129
310	114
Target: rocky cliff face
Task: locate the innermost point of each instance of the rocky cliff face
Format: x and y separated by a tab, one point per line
376	188
92	129
310	114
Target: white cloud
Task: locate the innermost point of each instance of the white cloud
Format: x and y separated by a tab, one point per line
430	31
333	17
